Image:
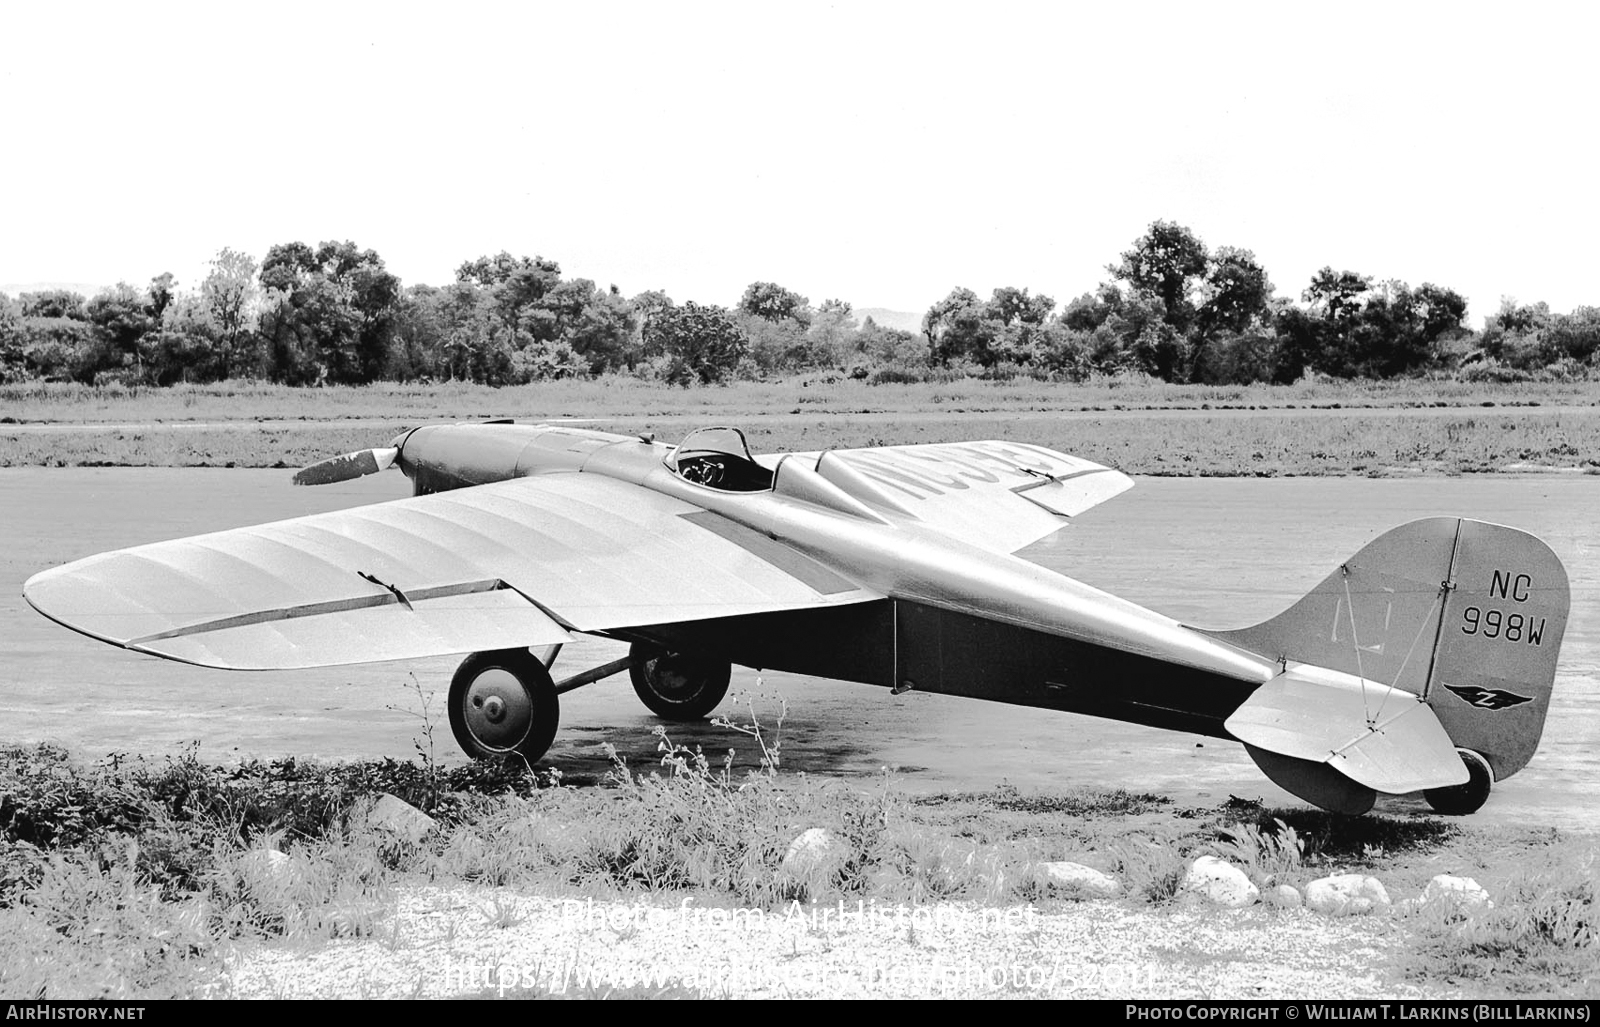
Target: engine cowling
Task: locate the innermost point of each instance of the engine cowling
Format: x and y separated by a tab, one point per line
441	457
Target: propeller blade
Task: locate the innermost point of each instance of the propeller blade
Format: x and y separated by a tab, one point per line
348	466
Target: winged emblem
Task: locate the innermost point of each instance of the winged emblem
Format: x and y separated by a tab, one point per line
1489	698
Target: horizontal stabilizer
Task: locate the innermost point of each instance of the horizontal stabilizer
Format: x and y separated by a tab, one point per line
1382	738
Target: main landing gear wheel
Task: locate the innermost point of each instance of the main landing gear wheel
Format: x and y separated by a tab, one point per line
1459	800
676	686
502	703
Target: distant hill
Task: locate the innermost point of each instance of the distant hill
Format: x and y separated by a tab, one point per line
890	318
83	289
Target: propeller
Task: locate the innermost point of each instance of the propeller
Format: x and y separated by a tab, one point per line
348	466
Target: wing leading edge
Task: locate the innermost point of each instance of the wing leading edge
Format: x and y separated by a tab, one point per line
515	563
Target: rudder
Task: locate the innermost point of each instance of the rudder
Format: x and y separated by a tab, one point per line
1500	635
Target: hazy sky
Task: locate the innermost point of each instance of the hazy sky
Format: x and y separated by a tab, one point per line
880	153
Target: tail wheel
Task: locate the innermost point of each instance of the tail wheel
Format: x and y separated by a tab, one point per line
503	702
676	686
1459	800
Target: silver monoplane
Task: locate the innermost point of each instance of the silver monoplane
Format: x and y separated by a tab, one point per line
1425	662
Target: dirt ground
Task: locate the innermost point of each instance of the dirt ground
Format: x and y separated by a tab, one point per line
1213	552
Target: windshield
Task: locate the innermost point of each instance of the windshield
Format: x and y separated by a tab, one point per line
714	440
719	458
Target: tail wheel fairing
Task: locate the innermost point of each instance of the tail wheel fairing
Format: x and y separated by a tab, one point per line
1315	782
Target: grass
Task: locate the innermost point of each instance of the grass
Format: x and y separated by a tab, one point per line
1542	938
824	392
1137	425
135	878
129	878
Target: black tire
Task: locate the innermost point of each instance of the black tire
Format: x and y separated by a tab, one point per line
1459	800
503	702
676	686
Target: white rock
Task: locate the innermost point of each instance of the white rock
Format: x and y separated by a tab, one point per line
816	850
1081	879
398	817
1219	882
1283	895
1346	895
268	863
1462	891
268	874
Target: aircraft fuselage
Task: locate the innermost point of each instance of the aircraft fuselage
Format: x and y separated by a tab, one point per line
956	618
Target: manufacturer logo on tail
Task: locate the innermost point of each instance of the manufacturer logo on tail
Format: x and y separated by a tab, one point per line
1490	698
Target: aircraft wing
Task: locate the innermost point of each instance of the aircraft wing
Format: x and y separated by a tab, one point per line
515	563
998	495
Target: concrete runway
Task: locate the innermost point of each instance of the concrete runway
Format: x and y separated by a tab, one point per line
1212	552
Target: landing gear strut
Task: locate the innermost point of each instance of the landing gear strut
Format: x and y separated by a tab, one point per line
1459	800
504	702
676	686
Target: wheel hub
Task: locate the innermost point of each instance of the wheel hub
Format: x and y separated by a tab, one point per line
672	678
497	710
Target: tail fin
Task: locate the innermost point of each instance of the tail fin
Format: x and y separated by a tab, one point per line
1463	616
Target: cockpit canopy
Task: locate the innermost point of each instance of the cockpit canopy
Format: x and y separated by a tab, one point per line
719	458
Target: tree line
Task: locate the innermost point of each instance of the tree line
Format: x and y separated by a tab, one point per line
1171	308
1181	312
